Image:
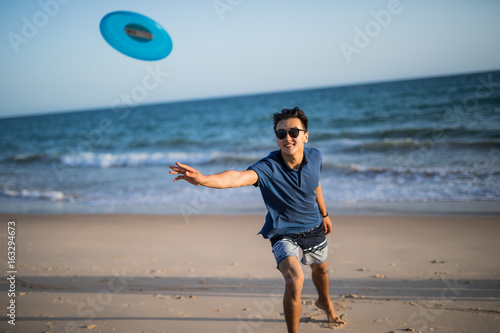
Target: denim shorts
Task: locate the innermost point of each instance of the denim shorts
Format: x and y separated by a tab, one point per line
312	243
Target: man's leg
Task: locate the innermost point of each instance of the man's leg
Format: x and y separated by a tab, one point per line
322	283
294	279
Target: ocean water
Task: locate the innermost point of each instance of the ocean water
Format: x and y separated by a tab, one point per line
416	141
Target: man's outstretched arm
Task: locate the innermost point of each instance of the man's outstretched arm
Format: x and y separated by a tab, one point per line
225	179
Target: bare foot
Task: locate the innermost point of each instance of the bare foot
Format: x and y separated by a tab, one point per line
330	313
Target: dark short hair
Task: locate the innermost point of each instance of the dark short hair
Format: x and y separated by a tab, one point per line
290	113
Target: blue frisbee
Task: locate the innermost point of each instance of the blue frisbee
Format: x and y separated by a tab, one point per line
136	35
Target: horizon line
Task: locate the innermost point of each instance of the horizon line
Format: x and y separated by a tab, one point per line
196	99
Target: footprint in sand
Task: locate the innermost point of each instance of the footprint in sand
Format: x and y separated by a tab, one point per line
439	262
158	296
50	324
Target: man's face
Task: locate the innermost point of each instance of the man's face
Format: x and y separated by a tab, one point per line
290	145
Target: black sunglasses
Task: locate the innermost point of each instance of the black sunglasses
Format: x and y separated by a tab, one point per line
293	132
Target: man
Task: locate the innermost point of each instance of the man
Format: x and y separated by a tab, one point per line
297	217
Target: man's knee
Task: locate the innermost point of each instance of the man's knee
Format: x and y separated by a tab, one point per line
293	285
293	274
293	279
320	268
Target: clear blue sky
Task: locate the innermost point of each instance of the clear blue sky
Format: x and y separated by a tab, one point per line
254	46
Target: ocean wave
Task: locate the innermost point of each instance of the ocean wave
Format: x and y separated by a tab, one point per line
379	146
144	159
146	143
400	171
371	134
35	195
421	133
474	144
25	158
407	144
110	160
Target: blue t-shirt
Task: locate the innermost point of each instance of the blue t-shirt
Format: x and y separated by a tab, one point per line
289	195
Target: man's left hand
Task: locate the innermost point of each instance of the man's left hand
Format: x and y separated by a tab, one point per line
328	225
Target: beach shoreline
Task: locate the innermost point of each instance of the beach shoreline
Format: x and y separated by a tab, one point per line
166	273
429	208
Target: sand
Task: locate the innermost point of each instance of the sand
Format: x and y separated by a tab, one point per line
208	273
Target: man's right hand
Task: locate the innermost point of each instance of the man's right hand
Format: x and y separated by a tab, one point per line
189	174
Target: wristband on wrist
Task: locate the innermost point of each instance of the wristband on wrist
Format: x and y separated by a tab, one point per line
325	215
